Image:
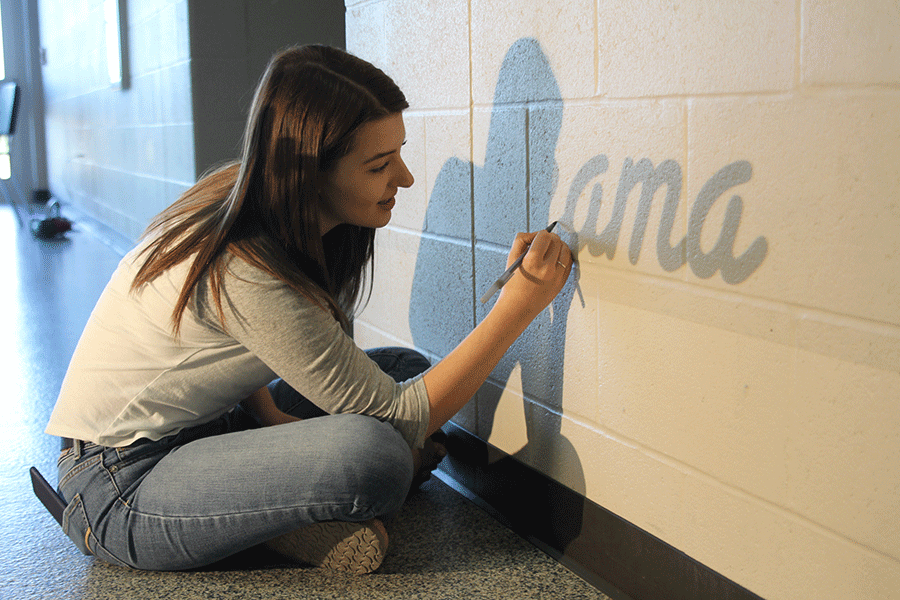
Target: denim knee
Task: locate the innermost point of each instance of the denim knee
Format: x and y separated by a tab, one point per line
381	467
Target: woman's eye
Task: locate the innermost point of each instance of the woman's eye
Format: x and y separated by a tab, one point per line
381	168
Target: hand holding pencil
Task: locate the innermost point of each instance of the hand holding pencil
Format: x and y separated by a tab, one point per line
538	266
544	263
508	273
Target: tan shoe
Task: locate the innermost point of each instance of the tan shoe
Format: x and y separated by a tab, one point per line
337	545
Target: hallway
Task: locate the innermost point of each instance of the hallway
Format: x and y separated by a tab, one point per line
443	546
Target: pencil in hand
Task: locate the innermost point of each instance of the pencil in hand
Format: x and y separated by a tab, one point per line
508	273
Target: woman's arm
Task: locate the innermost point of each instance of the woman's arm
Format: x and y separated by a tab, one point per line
261	406
455	379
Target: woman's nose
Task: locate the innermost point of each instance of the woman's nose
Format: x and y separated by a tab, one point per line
404	178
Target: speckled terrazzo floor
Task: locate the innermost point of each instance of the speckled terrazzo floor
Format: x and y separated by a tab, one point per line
442	545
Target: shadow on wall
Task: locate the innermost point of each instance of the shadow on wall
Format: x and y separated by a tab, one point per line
512	191
441	307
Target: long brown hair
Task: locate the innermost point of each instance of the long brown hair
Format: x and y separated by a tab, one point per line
264	209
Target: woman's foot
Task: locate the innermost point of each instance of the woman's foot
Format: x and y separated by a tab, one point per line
357	548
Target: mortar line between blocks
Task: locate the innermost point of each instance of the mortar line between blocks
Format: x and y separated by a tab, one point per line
596	26
670	461
428	235
686	116
823	314
474	294
798	47
527	168
730	488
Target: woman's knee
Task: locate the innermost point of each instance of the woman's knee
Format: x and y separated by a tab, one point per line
379	464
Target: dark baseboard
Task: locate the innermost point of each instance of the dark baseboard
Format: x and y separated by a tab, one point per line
619	558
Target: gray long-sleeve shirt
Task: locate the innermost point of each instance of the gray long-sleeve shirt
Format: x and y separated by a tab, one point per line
130	378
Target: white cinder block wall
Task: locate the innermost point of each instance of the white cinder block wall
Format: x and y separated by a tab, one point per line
725	371
122	155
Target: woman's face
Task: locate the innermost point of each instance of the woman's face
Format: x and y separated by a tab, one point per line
360	188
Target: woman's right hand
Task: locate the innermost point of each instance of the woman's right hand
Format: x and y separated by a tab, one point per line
537	281
541	276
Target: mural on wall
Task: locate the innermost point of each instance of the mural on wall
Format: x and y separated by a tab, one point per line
447	277
721	257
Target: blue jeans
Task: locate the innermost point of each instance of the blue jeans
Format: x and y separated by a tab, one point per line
209	491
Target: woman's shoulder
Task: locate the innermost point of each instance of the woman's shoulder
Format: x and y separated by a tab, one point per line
240	269
256	304
251	282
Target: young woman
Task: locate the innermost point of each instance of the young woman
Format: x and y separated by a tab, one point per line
215	400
